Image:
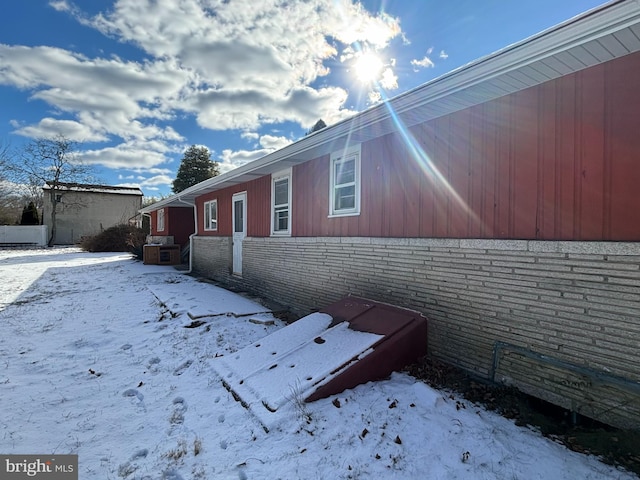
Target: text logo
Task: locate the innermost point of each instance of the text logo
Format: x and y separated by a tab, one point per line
49	467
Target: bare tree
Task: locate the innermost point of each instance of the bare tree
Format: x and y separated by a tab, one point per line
10	203
50	162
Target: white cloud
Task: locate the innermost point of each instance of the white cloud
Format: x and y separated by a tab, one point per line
374	97
70	129
273	143
62	6
230	159
426	62
229	64
250	135
156	180
389	80
247	62
124	155
150	184
237	109
105	96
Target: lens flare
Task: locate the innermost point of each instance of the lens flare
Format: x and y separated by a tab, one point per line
368	67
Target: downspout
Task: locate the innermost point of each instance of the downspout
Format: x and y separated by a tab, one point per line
150	226
195	233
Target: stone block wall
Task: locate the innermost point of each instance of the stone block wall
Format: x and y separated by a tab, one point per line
212	257
559	320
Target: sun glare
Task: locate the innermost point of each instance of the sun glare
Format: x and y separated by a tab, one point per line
368	67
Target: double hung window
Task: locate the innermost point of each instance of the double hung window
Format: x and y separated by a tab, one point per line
160	226
344	195
211	215
281	203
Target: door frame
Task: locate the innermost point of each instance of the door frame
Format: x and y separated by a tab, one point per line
238	236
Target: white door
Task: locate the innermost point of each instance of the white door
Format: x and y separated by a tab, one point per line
239	229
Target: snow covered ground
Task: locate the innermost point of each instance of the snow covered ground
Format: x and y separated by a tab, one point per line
92	362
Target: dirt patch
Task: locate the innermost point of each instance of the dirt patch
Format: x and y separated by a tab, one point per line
195	324
579	433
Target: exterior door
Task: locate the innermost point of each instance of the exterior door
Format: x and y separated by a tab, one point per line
239	229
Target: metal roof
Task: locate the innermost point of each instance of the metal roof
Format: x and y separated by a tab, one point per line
83	187
596	36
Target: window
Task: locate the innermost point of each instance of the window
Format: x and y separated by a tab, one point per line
281	203
160	220
344	196
211	215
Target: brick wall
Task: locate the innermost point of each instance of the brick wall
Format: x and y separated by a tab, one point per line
212	257
559	320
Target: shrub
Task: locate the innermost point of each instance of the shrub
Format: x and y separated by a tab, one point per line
119	238
30	215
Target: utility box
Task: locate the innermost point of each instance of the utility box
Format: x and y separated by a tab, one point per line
161	254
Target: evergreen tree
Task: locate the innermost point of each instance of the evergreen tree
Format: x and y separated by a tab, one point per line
30	215
196	167
319	125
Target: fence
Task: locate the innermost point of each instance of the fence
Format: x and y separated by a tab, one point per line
23	235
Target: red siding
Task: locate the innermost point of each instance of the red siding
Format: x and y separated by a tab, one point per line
524	164
549	171
310	191
590	211
179	223
557	161
622	179
154	222
258	208
438	170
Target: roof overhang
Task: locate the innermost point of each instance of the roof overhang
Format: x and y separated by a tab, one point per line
597	36
90	188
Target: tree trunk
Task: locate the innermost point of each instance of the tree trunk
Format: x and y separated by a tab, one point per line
54	207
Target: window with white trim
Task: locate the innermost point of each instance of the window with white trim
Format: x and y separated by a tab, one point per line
211	215
160	222
281	203
344	194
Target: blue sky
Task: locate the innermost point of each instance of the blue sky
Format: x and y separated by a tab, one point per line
135	82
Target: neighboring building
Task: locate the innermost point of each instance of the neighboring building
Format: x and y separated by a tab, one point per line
501	200
85	210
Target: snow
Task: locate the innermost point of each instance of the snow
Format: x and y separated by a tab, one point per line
206	300
74	187
96	360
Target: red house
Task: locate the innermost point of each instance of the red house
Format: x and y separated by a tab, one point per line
172	221
501	200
